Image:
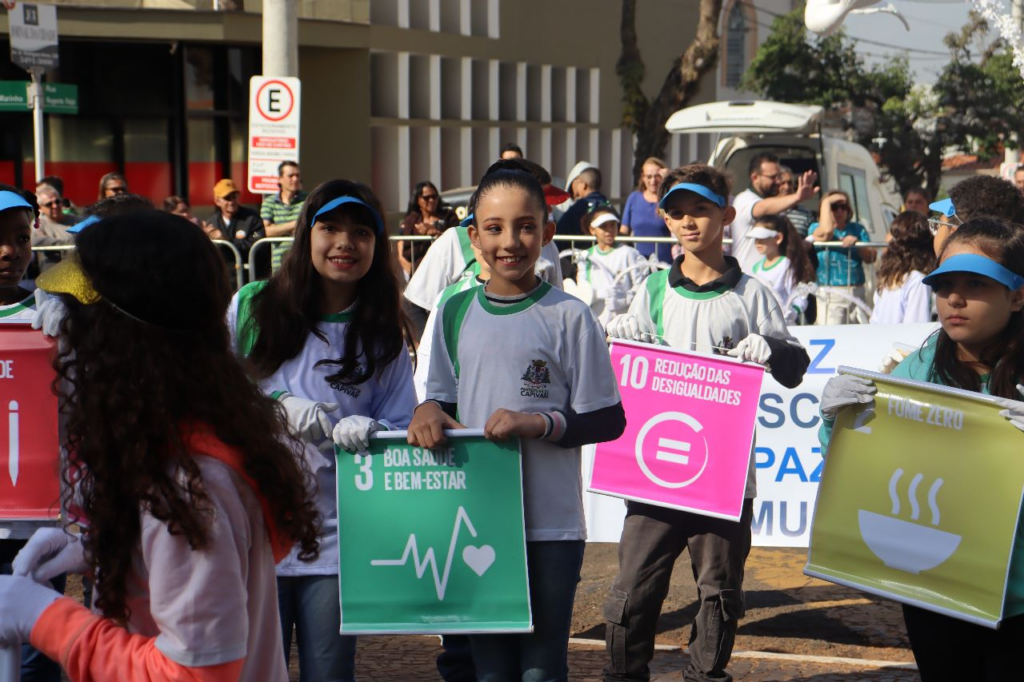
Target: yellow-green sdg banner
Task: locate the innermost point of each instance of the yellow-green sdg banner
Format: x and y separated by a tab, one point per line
433	541
919	499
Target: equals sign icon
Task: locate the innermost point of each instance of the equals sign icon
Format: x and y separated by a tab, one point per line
672	451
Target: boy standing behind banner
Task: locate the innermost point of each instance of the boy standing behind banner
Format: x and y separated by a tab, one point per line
702	303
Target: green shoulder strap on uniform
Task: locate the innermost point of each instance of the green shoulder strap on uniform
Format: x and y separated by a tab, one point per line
656	284
245	325
452	315
467	248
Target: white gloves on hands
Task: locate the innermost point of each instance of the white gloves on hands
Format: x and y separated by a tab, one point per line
754	348
48	553
22	601
50	312
628	327
618	298
895	356
1014	411
842	390
308	419
353	433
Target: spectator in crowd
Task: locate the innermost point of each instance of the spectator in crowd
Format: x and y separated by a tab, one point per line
840	268
763	198
917	199
800	218
280	211
1018	178
52	228
111	184
586	191
179	206
641	218
235	223
56	182
425	216
900	292
510	150
981	195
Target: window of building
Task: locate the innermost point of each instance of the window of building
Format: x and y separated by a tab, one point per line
735	45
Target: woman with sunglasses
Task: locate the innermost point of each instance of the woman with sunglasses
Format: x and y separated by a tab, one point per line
425	216
841	269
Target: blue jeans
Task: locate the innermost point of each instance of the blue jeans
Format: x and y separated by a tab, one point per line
312	605
35	667
543	655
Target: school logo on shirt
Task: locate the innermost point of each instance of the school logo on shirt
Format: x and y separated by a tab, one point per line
535	380
348	389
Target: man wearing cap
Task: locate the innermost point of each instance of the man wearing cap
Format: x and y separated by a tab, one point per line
280	211
586	190
760	199
233	222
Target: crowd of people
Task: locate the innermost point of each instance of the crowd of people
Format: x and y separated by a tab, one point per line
199	425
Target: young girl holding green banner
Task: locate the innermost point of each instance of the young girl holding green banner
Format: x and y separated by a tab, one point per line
979	289
533	364
325	336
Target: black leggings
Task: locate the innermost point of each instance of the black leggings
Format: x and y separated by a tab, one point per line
951	649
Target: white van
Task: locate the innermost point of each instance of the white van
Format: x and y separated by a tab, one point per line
793	132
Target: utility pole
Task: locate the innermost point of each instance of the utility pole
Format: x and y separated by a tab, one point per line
280	38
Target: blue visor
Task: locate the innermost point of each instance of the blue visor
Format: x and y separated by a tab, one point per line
970	262
467	221
713	197
10	199
945	207
341	201
78	227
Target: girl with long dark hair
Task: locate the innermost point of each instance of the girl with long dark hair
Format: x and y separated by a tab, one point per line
325	336
900	292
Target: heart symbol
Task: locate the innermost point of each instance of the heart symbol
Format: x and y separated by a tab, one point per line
478	558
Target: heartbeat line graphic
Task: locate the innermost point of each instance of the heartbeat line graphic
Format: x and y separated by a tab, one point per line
421	564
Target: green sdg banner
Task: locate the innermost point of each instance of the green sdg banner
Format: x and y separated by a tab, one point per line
919	499
433	541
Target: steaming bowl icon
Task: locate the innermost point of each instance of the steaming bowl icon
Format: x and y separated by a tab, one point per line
906	546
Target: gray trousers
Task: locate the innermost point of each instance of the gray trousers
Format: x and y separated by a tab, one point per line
652	540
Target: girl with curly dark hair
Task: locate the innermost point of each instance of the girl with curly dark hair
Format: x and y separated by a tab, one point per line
325	336
900	292
182	466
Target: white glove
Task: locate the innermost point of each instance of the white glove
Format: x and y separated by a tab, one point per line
754	348
895	356
22	601
628	327
842	390
308	419
1014	411
353	433
50	312
48	553
618	298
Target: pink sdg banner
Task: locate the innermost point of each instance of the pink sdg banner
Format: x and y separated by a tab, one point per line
689	430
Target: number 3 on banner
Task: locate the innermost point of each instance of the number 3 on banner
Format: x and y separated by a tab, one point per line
637	378
364	480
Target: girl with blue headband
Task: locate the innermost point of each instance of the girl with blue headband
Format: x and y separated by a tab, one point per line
325	336
979	296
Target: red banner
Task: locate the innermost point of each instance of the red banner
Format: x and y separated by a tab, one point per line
29	444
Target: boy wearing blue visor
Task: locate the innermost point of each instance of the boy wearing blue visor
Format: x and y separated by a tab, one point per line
703	303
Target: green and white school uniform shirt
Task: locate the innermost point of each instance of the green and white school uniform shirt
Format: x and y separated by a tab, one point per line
779	279
716	316
545	353
388	396
20	312
600	268
468	281
451	255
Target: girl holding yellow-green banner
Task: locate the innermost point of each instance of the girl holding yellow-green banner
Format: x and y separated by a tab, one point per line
979	288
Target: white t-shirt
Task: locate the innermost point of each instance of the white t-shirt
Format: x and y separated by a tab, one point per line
389	396
778	277
419	378
710	321
20	312
545	353
601	268
450	255
743	249
910	302
215	605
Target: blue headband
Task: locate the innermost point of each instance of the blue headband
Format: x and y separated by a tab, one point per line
945	207
467	221
78	227
10	199
713	197
341	201
980	265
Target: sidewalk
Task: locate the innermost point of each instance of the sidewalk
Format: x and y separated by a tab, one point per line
402	659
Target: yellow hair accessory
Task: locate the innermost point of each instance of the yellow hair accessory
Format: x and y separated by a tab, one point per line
69	277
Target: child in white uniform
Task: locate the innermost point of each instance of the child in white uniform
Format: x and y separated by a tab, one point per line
602	263
325	336
521	358
900	292
784	264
